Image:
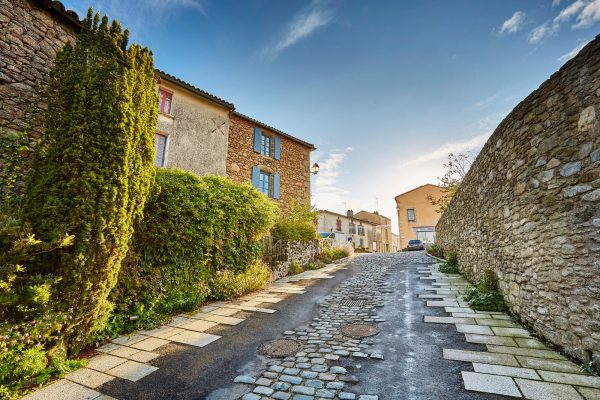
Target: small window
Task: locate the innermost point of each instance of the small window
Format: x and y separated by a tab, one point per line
264	184
160	147
361	231
338	225
265	145
164	101
352	228
411	214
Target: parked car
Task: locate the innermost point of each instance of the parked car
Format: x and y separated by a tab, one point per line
415	244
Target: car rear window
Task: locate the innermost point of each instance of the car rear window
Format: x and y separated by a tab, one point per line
414	242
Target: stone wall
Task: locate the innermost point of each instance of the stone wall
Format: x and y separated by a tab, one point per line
294	165
30	37
300	252
529	208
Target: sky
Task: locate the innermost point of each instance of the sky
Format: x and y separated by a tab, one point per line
385	89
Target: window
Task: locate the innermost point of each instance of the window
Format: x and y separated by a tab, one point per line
265	145
352	228
264	184
338	225
164	101
411	214
160	147
361	231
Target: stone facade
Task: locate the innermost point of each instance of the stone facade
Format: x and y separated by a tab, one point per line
300	252
529	208
293	167
196	128
382	229
363	233
417	217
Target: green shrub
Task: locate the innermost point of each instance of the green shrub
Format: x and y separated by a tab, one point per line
295	268
92	168
331	254
485	296
195	229
435	250
297	224
313	265
451	265
226	284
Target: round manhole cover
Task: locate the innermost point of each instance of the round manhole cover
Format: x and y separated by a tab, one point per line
279	348
359	330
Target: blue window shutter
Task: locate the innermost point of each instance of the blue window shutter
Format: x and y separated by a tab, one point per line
257	136
256	177
276	180
277	147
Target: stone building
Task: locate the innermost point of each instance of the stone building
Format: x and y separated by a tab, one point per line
276	163
193	127
529	209
361	234
417	217
382	230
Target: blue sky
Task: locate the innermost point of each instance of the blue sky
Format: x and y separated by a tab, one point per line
384	89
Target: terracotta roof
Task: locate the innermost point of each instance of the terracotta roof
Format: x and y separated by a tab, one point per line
427	184
295	139
58	8
194	89
342	215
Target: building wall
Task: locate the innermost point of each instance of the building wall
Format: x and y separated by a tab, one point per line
197	130
382	234
425	213
327	222
529	208
293	165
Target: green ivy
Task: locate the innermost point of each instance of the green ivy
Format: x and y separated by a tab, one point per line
93	169
14	148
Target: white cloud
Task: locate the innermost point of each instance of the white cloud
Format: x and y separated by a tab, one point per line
556	3
568	12
474	143
327	193
566	57
589	15
541	32
513	24
307	21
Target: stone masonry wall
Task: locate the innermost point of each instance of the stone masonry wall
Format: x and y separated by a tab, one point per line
300	252
294	165
529	208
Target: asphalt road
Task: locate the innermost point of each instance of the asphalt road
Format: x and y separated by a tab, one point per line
413	368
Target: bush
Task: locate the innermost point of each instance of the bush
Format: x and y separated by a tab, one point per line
226	284
332	254
313	265
92	169
451	265
435	250
195	230
297	224
485	296
295	268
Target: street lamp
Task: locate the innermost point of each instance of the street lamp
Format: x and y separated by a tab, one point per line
315	169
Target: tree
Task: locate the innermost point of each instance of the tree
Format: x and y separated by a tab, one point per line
93	167
456	168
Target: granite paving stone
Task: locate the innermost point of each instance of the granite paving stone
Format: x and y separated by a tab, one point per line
486	383
536	390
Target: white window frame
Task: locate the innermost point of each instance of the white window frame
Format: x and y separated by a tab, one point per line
165	151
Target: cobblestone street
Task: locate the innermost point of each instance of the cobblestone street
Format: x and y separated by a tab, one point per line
384	326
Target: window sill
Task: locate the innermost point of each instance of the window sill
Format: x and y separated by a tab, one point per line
170	116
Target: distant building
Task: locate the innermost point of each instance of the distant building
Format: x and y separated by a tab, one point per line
361	234
383	230
277	164
396	247
417	217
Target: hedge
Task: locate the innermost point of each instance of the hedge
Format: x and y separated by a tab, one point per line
194	230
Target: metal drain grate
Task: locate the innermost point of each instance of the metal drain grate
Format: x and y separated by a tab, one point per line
352	303
279	348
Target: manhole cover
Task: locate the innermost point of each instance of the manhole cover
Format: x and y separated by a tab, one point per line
279	348
359	330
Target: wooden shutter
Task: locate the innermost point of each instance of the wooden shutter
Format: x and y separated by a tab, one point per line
256	177
276	182
277	154
257	136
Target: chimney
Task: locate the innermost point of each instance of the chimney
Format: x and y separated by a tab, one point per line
350	214
376	212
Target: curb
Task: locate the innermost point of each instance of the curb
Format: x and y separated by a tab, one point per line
434	257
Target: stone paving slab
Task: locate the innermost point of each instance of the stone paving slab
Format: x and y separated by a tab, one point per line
572	379
512	332
192	338
531	343
536	390
514	372
490	339
477	329
223	320
64	390
132	370
89	377
589	393
199	325
490	384
549	365
497	322
150	344
481	357
104	362
523	351
448	320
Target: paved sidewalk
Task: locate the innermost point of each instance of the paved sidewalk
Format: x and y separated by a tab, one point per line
515	364
131	357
